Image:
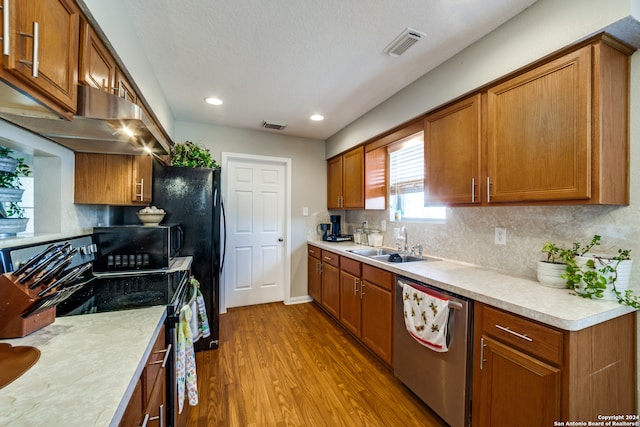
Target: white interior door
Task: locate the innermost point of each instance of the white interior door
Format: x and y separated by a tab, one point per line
255	208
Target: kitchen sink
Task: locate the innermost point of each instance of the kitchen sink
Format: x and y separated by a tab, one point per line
397	258
372	252
389	255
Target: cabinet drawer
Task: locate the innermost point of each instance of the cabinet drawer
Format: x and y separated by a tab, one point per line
379	277
528	336
314	251
350	266
331	258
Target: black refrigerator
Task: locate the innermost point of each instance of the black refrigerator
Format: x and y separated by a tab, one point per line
192	198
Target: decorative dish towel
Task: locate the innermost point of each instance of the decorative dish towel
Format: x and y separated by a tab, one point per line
199	321
426	317
186	361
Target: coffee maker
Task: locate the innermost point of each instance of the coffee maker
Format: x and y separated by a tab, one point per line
336	235
335	225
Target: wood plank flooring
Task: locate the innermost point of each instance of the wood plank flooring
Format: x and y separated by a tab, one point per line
281	365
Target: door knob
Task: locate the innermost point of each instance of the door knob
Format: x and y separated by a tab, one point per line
280	239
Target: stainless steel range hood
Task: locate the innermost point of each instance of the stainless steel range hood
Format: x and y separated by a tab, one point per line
98	127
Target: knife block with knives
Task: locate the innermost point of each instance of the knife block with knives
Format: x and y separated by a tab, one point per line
29	295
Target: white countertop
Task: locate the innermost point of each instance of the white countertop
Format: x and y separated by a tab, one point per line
523	296
87	370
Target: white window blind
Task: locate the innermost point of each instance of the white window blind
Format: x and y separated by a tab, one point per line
406	165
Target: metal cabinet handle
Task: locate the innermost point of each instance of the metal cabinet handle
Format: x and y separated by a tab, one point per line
36	48
355	287
160	417
145	420
482	359
473	190
141	193
5	28
167	352
488	190
361	290
506	329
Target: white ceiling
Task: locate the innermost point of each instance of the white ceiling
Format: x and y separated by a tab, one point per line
283	60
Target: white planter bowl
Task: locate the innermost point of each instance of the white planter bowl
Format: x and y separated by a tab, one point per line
549	274
623	269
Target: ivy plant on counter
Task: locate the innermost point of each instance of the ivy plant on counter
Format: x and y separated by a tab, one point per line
190	155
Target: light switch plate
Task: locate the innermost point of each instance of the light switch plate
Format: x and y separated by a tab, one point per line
305	211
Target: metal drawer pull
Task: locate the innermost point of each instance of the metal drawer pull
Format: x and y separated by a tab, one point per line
524	337
167	352
473	190
328	258
482	359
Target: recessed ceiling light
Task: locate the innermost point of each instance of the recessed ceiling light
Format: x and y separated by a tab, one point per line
317	117
213	101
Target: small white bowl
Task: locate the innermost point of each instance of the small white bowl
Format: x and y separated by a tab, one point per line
150	219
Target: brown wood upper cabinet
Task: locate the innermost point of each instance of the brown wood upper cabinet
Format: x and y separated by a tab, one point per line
452	146
345	180
44	32
113	179
559	131
97	66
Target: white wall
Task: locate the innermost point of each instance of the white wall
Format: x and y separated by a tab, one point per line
308	187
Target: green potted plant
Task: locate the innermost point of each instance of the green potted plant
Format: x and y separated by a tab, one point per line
190	155
550	270
12	218
604	277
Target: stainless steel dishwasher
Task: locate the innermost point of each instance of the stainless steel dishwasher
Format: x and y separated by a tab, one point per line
441	380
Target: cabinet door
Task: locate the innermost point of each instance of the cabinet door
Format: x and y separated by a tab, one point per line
331	289
97	66
377	321
353	179
133	413
106	179
516	389
334	183
452	147
375	180
538	133
350	302
314	278
56	57
123	88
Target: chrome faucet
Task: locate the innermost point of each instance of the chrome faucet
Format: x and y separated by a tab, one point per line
406	239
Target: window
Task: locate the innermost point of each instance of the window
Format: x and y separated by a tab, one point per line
406	181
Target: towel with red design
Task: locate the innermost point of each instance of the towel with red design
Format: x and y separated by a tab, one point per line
426	317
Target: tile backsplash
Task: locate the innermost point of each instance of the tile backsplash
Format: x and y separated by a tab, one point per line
468	233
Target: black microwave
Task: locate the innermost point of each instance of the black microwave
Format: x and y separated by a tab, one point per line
136	247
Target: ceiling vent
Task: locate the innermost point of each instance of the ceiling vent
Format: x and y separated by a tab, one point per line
273	125
404	41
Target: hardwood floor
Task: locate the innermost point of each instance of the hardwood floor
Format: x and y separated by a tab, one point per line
292	365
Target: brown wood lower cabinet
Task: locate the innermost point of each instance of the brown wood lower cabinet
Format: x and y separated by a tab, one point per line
331	283
148	405
314	273
529	374
358	296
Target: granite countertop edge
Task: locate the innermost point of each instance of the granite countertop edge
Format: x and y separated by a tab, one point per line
559	308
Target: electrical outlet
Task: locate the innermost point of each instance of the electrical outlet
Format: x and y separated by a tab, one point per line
305	211
500	236
383	225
